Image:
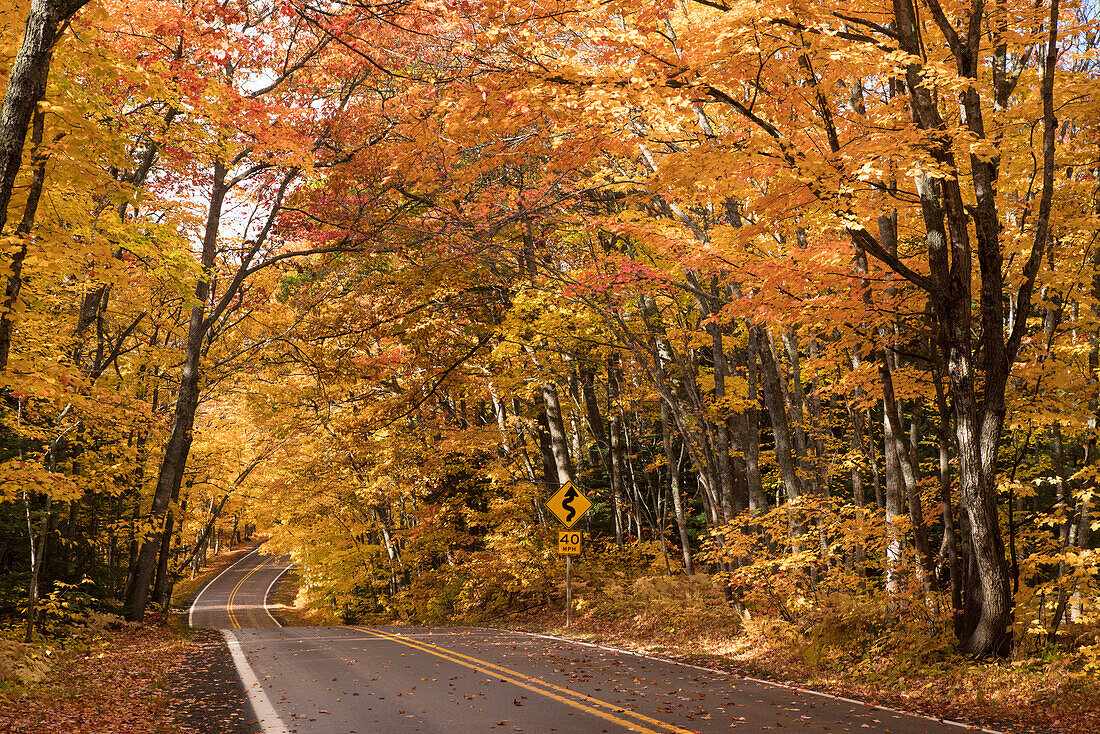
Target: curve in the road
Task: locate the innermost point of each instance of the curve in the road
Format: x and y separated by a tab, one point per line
267	593
231	600
339	680
237	597
208	584
230	605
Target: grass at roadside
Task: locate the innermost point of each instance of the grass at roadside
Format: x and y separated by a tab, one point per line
289	608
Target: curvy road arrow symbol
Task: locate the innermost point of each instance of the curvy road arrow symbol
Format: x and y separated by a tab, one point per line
567	503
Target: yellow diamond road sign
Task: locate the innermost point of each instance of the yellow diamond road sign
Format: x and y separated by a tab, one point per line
568	504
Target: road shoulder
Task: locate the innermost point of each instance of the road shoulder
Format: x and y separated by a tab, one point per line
208	697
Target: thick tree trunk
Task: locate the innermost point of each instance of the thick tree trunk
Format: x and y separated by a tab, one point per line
979	407
988	608
171	471
187	401
559	441
26	86
15	277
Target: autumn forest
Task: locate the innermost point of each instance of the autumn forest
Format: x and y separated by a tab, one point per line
804	296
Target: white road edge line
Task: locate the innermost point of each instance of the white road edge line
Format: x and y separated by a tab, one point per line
774	684
227	569
261	705
267	593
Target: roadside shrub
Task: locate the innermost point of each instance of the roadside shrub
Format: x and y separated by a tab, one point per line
67	606
21	663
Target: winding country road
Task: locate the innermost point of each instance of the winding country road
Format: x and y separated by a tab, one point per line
391	680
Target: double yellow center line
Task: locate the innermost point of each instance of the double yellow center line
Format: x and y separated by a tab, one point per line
233	594
573	699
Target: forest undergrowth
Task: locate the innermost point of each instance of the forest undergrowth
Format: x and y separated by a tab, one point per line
101	677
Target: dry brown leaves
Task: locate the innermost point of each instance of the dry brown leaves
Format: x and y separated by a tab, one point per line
113	683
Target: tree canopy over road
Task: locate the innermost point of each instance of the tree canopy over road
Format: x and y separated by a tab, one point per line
805	296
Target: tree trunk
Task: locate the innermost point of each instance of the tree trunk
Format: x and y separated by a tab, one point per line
25	88
777	411
187	400
750	438
559	441
546	451
38	548
895	538
160	582
596	425
979	407
674	482
899	460
601	444
947	504
790	388
618	486
718	428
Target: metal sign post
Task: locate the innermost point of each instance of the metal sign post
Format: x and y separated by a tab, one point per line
569	505
568	592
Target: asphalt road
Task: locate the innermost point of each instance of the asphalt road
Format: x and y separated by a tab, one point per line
391	680
237	597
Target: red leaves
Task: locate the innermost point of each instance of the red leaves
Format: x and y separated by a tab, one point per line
614	278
